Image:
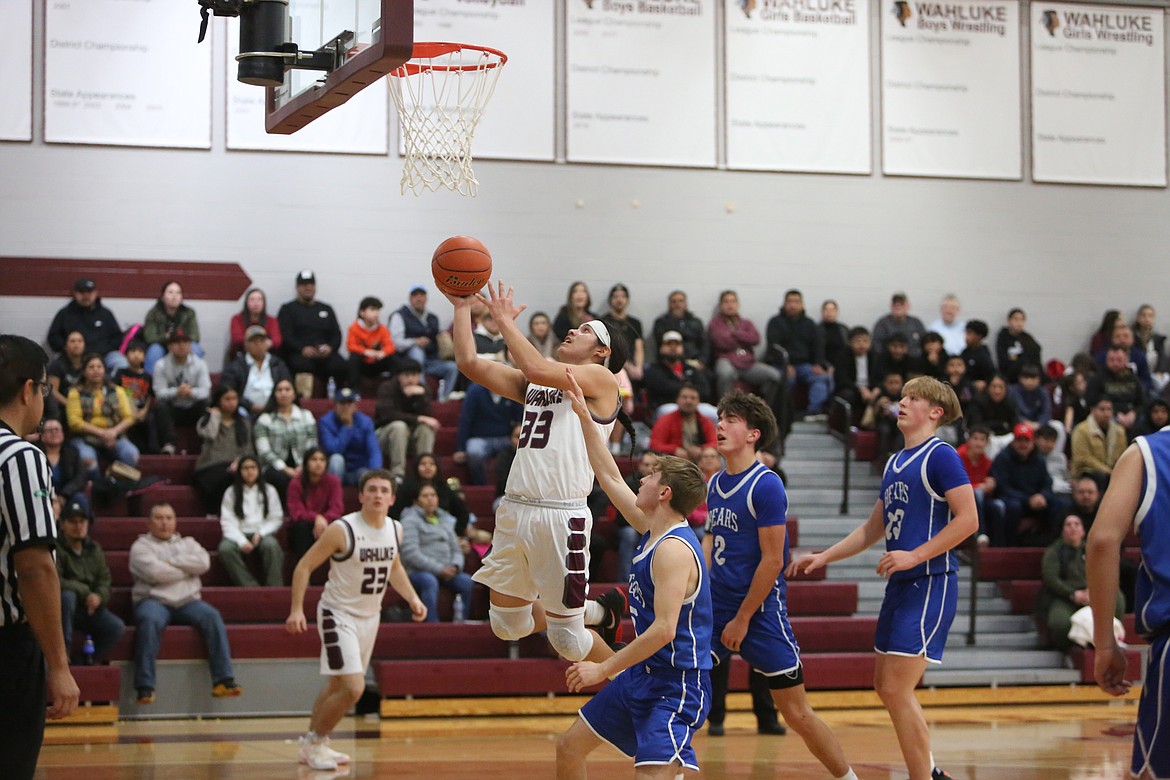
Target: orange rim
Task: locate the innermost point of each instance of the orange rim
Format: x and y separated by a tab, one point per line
426	50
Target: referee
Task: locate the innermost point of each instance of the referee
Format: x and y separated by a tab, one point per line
30	593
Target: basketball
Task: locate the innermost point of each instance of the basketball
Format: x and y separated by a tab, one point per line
461	266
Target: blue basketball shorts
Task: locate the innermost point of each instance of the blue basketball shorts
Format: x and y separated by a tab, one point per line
1151	738
769	645
916	615
651	714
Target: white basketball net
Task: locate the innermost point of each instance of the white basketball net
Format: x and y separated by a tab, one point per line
440	95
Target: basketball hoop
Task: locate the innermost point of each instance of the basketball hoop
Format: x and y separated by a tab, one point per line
440	94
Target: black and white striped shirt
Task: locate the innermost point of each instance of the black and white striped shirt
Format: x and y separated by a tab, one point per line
26	513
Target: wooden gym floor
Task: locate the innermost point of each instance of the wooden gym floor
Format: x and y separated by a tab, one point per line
1006	742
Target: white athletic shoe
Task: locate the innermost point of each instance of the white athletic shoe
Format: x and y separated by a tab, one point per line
336	755
316	754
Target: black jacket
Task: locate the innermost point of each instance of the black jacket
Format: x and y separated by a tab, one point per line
98	325
794	341
307	325
693	331
235	373
662	384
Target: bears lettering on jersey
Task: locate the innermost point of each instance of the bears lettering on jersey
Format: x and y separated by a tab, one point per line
723	517
896	491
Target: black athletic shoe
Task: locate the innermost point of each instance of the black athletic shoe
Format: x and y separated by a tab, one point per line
777	728
615	604
938	774
715	729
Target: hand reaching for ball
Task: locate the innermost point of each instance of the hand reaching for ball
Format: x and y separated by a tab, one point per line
500	303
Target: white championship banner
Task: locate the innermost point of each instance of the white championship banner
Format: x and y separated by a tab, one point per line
1098	95
798	79
16	70
951	89
126	74
519	122
358	126
641	82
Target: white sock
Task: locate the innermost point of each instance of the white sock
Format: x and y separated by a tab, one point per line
933	766
850	775
594	613
311	735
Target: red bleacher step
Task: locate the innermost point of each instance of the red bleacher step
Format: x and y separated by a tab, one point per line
98	683
1084	658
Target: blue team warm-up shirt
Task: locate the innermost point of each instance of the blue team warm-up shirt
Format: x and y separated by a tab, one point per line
738	505
914	487
691	646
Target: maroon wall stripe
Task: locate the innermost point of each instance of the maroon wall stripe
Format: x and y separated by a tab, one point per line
53	277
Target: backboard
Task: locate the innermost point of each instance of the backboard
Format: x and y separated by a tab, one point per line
373	38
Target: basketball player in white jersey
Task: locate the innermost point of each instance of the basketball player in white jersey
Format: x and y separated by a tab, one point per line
540	550
362	550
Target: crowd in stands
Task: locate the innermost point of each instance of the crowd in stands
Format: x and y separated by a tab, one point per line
1039	440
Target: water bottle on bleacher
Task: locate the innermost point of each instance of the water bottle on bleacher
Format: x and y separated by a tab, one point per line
87	651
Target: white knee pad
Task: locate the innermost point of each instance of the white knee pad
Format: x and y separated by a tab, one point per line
511	623
569	637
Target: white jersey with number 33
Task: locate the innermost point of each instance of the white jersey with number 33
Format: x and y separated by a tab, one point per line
551	461
359	577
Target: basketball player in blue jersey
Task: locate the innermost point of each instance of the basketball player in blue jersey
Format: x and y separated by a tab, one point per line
1138	496
661	689
540	549
925	509
747	546
362	550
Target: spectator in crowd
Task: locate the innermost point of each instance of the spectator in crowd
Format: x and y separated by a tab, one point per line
1066	588
227	437
1086	498
666	376
683	432
834	335
1098	442
348	438
426	472
1103	337
1154	417
166	568
628	536
933	360
254	372
64	372
1031	511
99	415
1050	445
796	344
1070	395
733	342
1153	344
540	335
950	325
416	337
68	475
1123	338
283	433
883	416
1028	396
894	357
139	386
86	315
679	319
182	387
312	337
314	501
619	316
973	454
431	552
710	463
368	341
899	320
486	420
980	367
250	515
993	408
856	376
957	378
254	314
489	344
1015	347
168	315
402	417
1118	382
578	308
85	585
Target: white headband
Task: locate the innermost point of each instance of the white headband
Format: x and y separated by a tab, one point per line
602	332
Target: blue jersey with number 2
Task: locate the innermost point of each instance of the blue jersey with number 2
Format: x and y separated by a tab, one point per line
738	505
